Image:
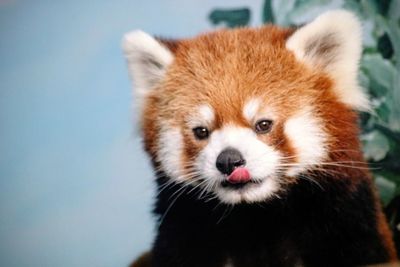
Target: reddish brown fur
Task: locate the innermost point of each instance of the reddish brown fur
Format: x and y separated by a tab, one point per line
227	68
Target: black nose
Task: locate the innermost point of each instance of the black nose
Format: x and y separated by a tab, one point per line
228	160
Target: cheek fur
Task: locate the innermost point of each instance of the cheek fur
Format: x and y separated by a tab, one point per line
280	142
170	151
309	140
191	150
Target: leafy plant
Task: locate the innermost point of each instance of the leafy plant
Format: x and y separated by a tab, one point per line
232	18
380	75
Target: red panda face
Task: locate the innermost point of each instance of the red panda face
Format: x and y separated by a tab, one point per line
244	114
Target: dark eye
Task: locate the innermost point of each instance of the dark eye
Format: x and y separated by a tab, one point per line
201	133
263	126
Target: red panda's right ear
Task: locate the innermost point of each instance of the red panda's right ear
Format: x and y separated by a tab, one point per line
148	60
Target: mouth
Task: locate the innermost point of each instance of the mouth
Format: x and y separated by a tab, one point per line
239	179
250	191
238	186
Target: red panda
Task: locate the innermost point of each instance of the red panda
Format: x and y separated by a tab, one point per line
253	136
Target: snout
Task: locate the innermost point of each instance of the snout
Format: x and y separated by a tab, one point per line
231	162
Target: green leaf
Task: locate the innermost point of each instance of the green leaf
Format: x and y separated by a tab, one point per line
394	104
364	79
393	31
381	6
394	10
385	46
305	7
282	9
376	145
383	111
268	14
371	7
391	135
354	6
380	71
232	17
385	74
391	27
386	188
304	4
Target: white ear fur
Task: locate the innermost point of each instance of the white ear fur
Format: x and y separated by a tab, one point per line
147	60
333	42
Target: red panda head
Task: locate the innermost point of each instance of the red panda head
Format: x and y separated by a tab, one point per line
245	113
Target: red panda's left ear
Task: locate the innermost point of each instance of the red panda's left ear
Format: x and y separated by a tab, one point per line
333	43
148	59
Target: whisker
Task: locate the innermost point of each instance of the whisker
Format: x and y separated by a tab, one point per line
226	213
337	164
197	186
169	207
313	181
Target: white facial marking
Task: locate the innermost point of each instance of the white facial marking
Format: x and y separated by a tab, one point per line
261	161
250	110
203	117
306	135
207	113
170	152
253	111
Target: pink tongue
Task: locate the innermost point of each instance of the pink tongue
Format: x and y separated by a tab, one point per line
239	175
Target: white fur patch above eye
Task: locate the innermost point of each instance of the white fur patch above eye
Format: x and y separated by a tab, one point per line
332	43
170	147
306	135
250	109
204	115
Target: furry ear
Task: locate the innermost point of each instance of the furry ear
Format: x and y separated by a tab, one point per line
148	59
332	43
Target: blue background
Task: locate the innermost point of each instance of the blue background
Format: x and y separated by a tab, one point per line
75	186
